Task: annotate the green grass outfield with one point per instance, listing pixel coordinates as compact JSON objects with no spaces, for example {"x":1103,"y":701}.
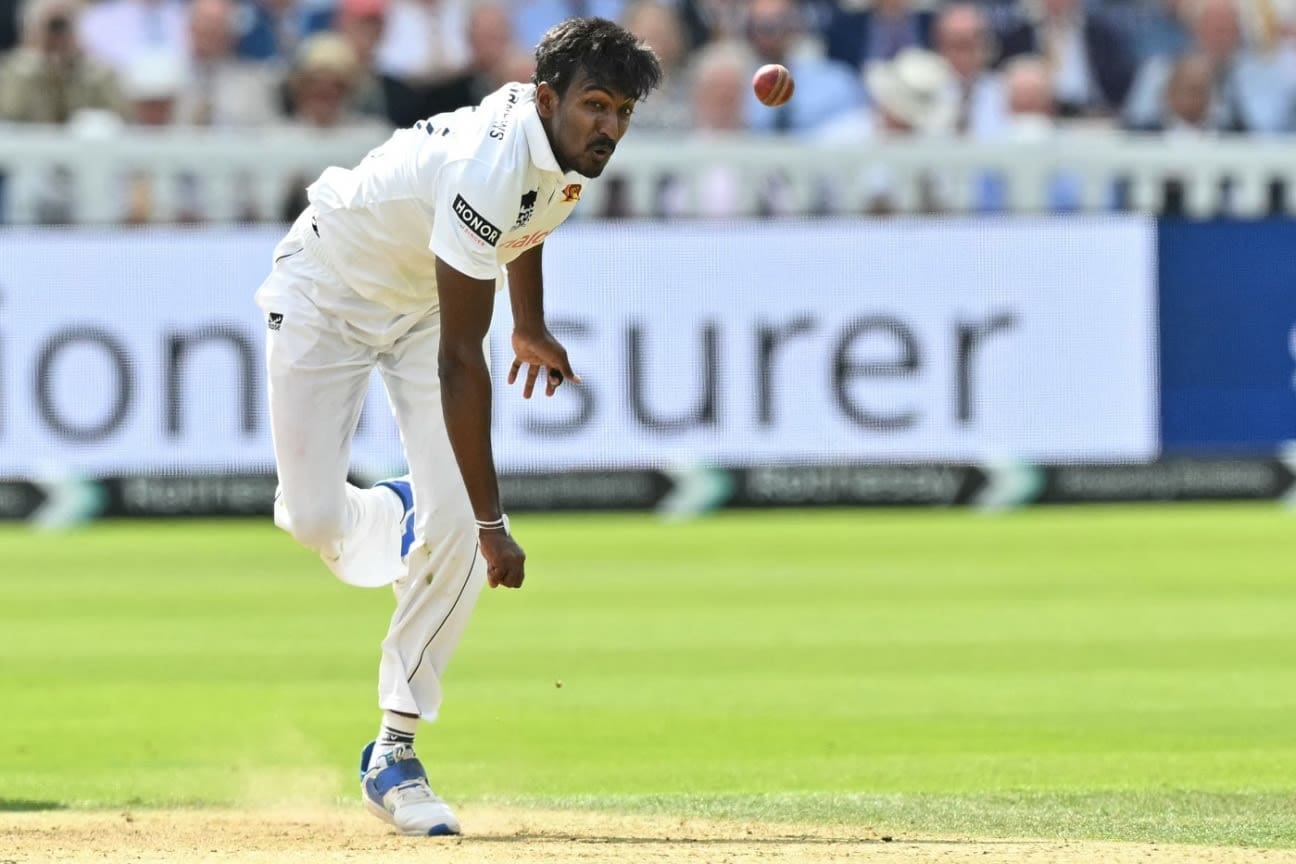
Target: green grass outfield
{"x":1123,"y":673}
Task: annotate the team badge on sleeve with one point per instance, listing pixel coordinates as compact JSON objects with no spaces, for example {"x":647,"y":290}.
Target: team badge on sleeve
{"x":571,"y":193}
{"x":479,"y":225}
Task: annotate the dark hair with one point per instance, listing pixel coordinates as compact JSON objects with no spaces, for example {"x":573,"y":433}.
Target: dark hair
{"x":608,"y":54}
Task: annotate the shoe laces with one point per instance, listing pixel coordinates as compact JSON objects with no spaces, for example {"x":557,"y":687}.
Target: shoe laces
{"x":414,"y":792}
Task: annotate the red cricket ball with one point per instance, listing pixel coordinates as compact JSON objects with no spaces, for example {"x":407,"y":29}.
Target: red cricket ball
{"x":773,"y":84}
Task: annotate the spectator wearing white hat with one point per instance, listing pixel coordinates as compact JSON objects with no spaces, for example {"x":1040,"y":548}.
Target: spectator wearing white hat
{"x":152,"y":84}
{"x":914,"y":95}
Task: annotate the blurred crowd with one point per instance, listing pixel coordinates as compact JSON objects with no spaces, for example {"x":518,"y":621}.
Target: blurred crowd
{"x":864,"y":69}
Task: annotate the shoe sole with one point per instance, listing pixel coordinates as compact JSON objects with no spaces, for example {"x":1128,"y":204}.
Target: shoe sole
{"x":442,"y":829}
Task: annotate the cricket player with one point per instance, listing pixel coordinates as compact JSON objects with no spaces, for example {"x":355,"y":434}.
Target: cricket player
{"x":395,"y":264}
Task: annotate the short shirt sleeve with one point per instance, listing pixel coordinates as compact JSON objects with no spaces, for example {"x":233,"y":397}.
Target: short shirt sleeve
{"x":472,"y":213}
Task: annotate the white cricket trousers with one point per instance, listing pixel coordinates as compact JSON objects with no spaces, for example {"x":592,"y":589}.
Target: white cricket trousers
{"x":322,"y":343}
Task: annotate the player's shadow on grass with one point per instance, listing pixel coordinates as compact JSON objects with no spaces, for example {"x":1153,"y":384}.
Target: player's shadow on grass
{"x":22,"y":805}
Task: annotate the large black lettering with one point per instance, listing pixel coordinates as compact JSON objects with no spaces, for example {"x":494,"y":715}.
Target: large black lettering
{"x":768,"y":339}
{"x":584,"y":394}
{"x":124,"y":384}
{"x":704,"y":414}
{"x":178,"y":348}
{"x":904,"y":362}
{"x":968,"y":336}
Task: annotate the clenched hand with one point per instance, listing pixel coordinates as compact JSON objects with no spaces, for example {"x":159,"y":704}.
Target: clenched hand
{"x":505,"y":560}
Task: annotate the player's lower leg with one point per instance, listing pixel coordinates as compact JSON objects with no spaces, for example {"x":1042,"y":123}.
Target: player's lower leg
{"x":395,"y":785}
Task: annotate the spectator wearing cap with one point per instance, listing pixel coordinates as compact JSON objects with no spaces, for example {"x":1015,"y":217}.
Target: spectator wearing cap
{"x":321,"y":88}
{"x":1251,"y":91}
{"x":48,"y":79}
{"x":1090,"y":61}
{"x":658,"y":25}
{"x":876,"y":32}
{"x":220,"y":89}
{"x":271,"y":30}
{"x":117,"y":31}
{"x":824,"y":88}
{"x":963,"y":39}
{"x":361,"y":24}
{"x":322,"y":83}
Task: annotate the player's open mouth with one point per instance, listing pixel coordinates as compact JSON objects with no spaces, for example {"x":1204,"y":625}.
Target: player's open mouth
{"x":601,"y":152}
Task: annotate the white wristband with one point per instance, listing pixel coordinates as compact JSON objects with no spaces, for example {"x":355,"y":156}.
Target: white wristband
{"x":491,"y":524}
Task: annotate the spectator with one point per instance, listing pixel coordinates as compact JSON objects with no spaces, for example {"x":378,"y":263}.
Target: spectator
{"x":719,"y":75}
{"x":1187,"y":99}
{"x":271,"y":30}
{"x":1090,"y":61}
{"x":425,"y":41}
{"x":222,"y":90}
{"x":48,"y":78}
{"x":1186,"y":115}
{"x":323,"y":77}
{"x":117,"y":31}
{"x":825,"y":88}
{"x":1250,"y":91}
{"x":876,"y":33}
{"x":659,"y":27}
{"x":1030,"y":94}
{"x":361,"y":23}
{"x":152,"y":85}
{"x":531,"y":18}
{"x":492,"y":57}
{"x":913,"y":95}
{"x":963,"y":39}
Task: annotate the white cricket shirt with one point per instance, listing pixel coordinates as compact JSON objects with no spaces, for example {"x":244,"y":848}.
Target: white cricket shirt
{"x":475,"y":187}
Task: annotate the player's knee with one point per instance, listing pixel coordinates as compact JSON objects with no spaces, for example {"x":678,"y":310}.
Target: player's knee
{"x":316,"y":527}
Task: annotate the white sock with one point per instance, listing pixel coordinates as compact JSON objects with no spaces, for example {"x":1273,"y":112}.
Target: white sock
{"x":396,"y":729}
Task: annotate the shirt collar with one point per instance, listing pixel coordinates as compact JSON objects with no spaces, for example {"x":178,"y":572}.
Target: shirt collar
{"x":537,"y":141}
